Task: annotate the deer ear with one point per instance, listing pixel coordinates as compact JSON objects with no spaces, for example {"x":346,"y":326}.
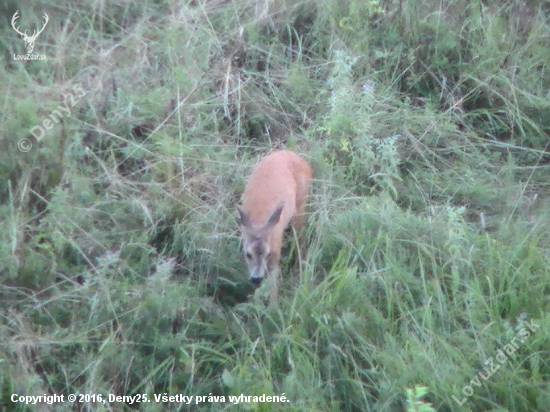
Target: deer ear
{"x":242,"y":218}
{"x":275,"y":216}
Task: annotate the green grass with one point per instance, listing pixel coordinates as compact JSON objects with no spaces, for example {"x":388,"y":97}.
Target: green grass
{"x":427,"y":125}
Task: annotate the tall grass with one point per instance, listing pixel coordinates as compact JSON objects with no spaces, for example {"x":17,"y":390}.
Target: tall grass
{"x":427,"y":245}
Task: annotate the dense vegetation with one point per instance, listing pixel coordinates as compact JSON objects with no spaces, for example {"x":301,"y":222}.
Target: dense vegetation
{"x":428,"y":244}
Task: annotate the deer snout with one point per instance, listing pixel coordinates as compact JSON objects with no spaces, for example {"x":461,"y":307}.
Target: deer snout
{"x":256,"y":281}
{"x":257,"y":274}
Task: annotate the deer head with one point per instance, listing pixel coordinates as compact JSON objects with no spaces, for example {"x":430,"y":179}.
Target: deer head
{"x":29,"y":40}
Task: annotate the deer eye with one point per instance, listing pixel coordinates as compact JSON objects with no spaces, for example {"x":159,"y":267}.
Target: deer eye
{"x":248,"y":255}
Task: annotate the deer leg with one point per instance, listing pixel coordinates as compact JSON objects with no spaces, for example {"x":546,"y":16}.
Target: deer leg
{"x":274,"y":287}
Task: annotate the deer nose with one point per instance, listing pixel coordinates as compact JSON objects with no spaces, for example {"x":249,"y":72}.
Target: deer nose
{"x":256,"y":281}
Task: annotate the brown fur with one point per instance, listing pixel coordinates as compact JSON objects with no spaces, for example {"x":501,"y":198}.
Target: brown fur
{"x":274,"y":197}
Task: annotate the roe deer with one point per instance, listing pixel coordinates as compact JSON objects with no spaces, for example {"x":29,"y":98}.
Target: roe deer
{"x":274,"y":197}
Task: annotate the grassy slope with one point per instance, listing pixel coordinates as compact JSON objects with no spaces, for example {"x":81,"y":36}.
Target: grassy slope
{"x":428,"y":128}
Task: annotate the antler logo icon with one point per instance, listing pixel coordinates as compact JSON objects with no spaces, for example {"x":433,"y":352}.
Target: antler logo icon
{"x":29,"y":40}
